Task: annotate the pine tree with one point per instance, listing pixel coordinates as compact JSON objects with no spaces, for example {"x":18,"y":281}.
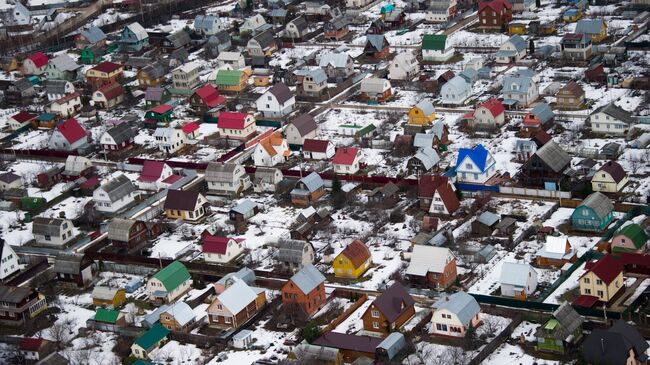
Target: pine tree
{"x":531,"y":47}
{"x":336,"y":184}
{"x":311,"y":332}
{"x":470,"y":337}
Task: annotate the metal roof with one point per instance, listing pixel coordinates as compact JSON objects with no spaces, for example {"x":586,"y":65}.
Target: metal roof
{"x":488,"y":218}
{"x":118,"y":229}
{"x":220,"y":172}
{"x":426,"y":259}
{"x":118,"y":188}
{"x":104,"y":293}
{"x":543,"y":112}
{"x":313,"y":181}
{"x":428,"y":156}
{"x":292,"y":251}
{"x":308,"y":278}
{"x":68,"y":263}
{"x":616,"y":112}
{"x":47,"y":226}
{"x":237,"y":296}
{"x":463,"y":305}
{"x":599,"y":203}
{"x":244,"y":207}
{"x":514,"y":273}
{"x":182,"y":313}
{"x":64,"y":62}
{"x":336,"y":59}
{"x":426,"y":106}
{"x":554,"y":156}
{"x":122,"y":133}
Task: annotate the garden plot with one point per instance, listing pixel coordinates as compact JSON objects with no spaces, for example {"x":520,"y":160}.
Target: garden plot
{"x":175,"y":353}
{"x":353,"y":323}
{"x":512,"y":354}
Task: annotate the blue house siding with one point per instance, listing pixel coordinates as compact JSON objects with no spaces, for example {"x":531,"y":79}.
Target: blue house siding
{"x":585,"y":219}
{"x":130,"y":43}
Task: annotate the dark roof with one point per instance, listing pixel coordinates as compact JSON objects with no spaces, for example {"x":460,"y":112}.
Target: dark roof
{"x":614,"y":170}
{"x":155,"y":71}
{"x":9,"y":177}
{"x":315,"y":145}
{"x":574,"y":88}
{"x":181,"y":200}
{"x":305,"y":123}
{"x":300,"y":23}
{"x":344,"y":341}
{"x":393,"y":302}
{"x":55,"y":86}
{"x":154,"y":93}
{"x":14,"y":294}
{"x":178,"y":39}
{"x":613,"y":346}
{"x":607,"y":268}
{"x":122,"y":133}
{"x":357,"y":252}
{"x":118,"y":188}
{"x":281,"y":92}
{"x":68,"y":263}
{"x":614,"y":111}
{"x":23,"y":84}
{"x":265,"y":39}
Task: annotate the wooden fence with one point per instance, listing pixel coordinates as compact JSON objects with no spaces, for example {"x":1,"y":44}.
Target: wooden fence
{"x":346,"y":313}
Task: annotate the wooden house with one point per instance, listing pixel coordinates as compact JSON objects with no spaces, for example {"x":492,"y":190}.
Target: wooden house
{"x":188,"y":206}
{"x":385,"y":196}
{"x":432,"y":266}
{"x":595,"y":213}
{"x":178,"y":317}
{"x":562,"y":332}
{"x":547,"y":164}
{"x":495,"y":14}
{"x":74,"y":269}
{"x":104,"y":73}
{"x":19,"y":305}
{"x":610,"y":178}
{"x":129,"y":234}
{"x":236,"y":305}
{"x":104,"y":296}
{"x":377,"y":46}
{"x":169,"y":283}
{"x":353,"y":261}
{"x":557,"y":252}
{"x":151,"y":341}
{"x":389,"y":311}
{"x":570,"y":96}
{"x":308,"y":190}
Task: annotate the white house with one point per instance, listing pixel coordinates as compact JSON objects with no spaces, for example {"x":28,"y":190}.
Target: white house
{"x":69,"y":136}
{"x":317,"y":149}
{"x":57,"y":89}
{"x":489,"y":114}
{"x":226,"y":178}
{"x":404,"y":66}
{"x":435,"y":48}
{"x":301,"y":128}
{"x":511,"y":50}
{"x":252,"y":24}
{"x":235,"y":60}
{"x":52,"y":231}
{"x":611,"y":120}
{"x":475,"y":165}
{"x":453,"y":314}
{"x":21,"y":120}
{"x":9,"y":261}
{"x":185,"y":78}
{"x":208,"y":25}
{"x":153,"y":174}
{"x":221,"y":250}
{"x":9,"y":180}
{"x":346,"y":160}
{"x":266,"y":179}
{"x":271,"y":150}
{"x":297,"y":28}
{"x":21,"y":15}
{"x":276,"y":102}
{"x":517,"y":280}
{"x":118,"y":137}
{"x":236,"y":125}
{"x":169,"y":140}
{"x":35,"y":64}
{"x":68,"y":106}
{"x":455,"y":91}
{"x":115,"y":194}
{"x":169,"y":283}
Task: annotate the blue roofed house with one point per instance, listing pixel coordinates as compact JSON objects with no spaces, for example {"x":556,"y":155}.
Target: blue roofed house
{"x":594,"y":28}
{"x":92,"y":36}
{"x":208,"y":25}
{"x":454,"y":314}
{"x":133,"y":38}
{"x":455,"y":91}
{"x":308,"y":189}
{"x":594,"y":213}
{"x":520,"y":87}
{"x":423,"y":161}
{"x":511,"y":50}
{"x":475,"y":165}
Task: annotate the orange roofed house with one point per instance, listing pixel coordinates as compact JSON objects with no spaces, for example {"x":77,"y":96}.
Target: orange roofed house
{"x":389,"y":312}
{"x":304,"y":293}
{"x":271,"y":150}
{"x":353,"y":261}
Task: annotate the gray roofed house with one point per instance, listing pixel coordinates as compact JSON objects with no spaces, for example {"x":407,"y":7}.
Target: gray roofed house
{"x":315,"y":354}
{"x":543,"y":112}
{"x":244,"y":207}
{"x":599,"y":203}
{"x":463,"y":305}
{"x":220,"y":172}
{"x":14,"y":294}
{"x":152,"y":318}
{"x":154,"y":94}
{"x":93,"y":35}
{"x":68,"y":263}
{"x":426,"y":106}
{"x":391,"y":345}
{"x":218,"y":43}
{"x":422,"y":140}
{"x":52,"y":231}
{"x":177,"y":40}
{"x":616,"y":112}
{"x":155,"y":71}
{"x":122,"y":133}
{"x":118,"y":188}
{"x":245,"y":274}
{"x":308,"y":278}
{"x":46,"y":226}
{"x":376,"y":41}
{"x":488,"y":218}
{"x":589,"y":26}
{"x":554,"y":156}
{"x":423,"y":161}
{"x":56,"y":87}
{"x":119,"y":229}
{"x":568,"y":327}
{"x":294,"y":254}
{"x":23,"y":85}
{"x":115,"y":194}
{"x":262,"y":42}
{"x":313,"y":182}
{"x":300,"y":23}
{"x":64,"y":62}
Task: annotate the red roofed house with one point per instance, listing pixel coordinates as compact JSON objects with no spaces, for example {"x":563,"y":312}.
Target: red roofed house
{"x":437,"y":195}
{"x":21,"y":120}
{"x":34,"y":349}
{"x":494,"y":14}
{"x":104,"y":73}
{"x":346,"y":160}
{"x":161,"y":115}
{"x":35,"y":64}
{"x":190,"y":129}
{"x":69,"y":136}
{"x":489,"y":115}
{"x":153,"y":174}
{"x":108,"y":96}
{"x":205,"y":99}
{"x":233,"y":125}
{"x":316,"y":149}
{"x":221,"y":250}
{"x":602,"y":282}
{"x":68,"y":106}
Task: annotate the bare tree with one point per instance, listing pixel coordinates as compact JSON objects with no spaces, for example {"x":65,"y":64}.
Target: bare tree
{"x":79,"y":357}
{"x":456,"y":356}
{"x":61,"y":332}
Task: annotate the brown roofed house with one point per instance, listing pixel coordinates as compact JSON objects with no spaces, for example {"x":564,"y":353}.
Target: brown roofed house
{"x":188,"y":206}
{"x":390,"y":311}
{"x":570,"y":97}
{"x":353,"y":261}
{"x":437,"y":195}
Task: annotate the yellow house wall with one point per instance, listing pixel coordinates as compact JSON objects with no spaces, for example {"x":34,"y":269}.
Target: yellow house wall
{"x":175,"y":214}
{"x":416,"y":116}
{"x":609,"y":291}
{"x":344,"y":265}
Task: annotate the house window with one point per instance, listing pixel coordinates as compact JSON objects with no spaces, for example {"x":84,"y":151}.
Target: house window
{"x":599,"y":282}
{"x":375,"y":325}
{"x":375,"y":314}
{"x":441,"y":327}
{"x":227,"y":319}
{"x":587,"y":291}
{"x":600,"y":293}
{"x":586,"y":280}
{"x":219,"y":307}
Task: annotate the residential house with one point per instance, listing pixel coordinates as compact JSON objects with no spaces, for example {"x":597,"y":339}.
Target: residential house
{"x":9,"y":261}
{"x":133,"y":38}
{"x":21,"y":16}
{"x":540,"y":117}
{"x":404,"y":66}
{"x":9,"y":181}
{"x":57,"y":89}
{"x":630,"y":238}
{"x":301,"y":128}
{"x":115,"y":195}
{"x":271,"y":150}
{"x":557,"y":252}
{"x":304,"y":293}
{"x":221,"y":250}
{"x":236,"y":305}
{"x":436,"y":49}
{"x":155,"y":96}
{"x":376,"y":89}
{"x":185,"y":78}
{"x":231,"y":80}
{"x":593,"y":214}
{"x":266,"y":179}
{"x":423,"y":162}
{"x":576,"y":47}
{"x":355,"y":349}
{"x":297,"y":28}
{"x":441,"y":11}
{"x":129,"y":234}
{"x":69,"y":136}
{"x":18,"y":305}
{"x":263,"y":44}
{"x":33,"y":349}
{"x":175,"y":41}
{"x":437,"y":195}
{"x":152,"y":75}
{"x":153,"y":174}
{"x":517,"y":280}
{"x":104,"y":73}
{"x":169,"y":140}
{"x":217,"y":44}
{"x":315,"y":149}
{"x":226,"y":178}
{"x":104,"y":296}
{"x":178,"y":317}
{"x":151,"y":341}
{"x":337,"y":65}
{"x":423,"y":113}
{"x":118,"y":138}
{"x":432,"y":266}
{"x":253,"y":25}
{"x":21,"y":121}
{"x":74,"y":269}
{"x":485,"y":224}
{"x":353,"y":261}
{"x":313,"y":85}
{"x":93,"y":36}
{"x":8,"y":63}
{"x":356,"y":4}
{"x":276,"y":102}
{"x":385,"y":196}
{"x":512,"y":50}
{"x":308,"y":190}
{"x":561,"y":332}
{"x":207,"y":99}
{"x":475,"y":165}
{"x":377,"y":46}
{"x":454,"y":314}
{"x":346,"y":160}
{"x":547,"y":165}
{"x":188,"y":206}
{"x":389,"y":311}
{"x":62,"y":67}
{"x":67,"y":106}
{"x":489,"y":115}
{"x":570,"y":96}
{"x":620,"y":344}
{"x":235,"y":60}
{"x":77,"y":166}
{"x":240,"y":126}
{"x":602,"y":282}
{"x":208,"y":25}
{"x":109,"y":96}
{"x":92,"y":55}
{"x":612,"y":120}
{"x":169,"y":283}
{"x":455,"y":91}
{"x":610,"y":178}
{"x":294,"y":255}
{"x":336,"y":28}
{"x":35,"y":64}
{"x":495,"y":14}
{"x":242,"y":212}
{"x":521,"y":88}
{"x":20,"y":92}
{"x":596,"y":29}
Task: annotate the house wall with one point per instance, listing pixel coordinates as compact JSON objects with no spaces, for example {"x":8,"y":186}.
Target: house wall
{"x":432,"y":55}
{"x":623,"y":243}
{"x":468,"y":172}
{"x":310,"y":303}
{"x":105,"y":205}
{"x":347,"y":169}
{"x":603,"y":182}
{"x":379,"y":324}
{"x":343,"y":267}
{"x":583,"y":218}
{"x":446,"y":323}
{"x":445,"y":279}
{"x":233,"y":250}
{"x":154,"y":284}
{"x":9,"y":262}
{"x":605,"y":124}
{"x":240,"y":134}
{"x":590,"y":284}
{"x":416,"y":116}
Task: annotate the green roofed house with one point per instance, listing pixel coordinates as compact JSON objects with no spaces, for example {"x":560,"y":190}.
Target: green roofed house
{"x":92,"y":55}
{"x":631,"y":238}
{"x":230,"y":80}
{"x":435,"y":48}
{"x":110,"y":316}
{"x":593,"y":214}
{"x":169,"y":283}
{"x":150,"y":342}
{"x":561,"y":331}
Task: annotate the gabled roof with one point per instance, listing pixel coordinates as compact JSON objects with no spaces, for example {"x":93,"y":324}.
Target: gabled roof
{"x":210,"y":96}
{"x":104,"y":292}
{"x":589,"y":26}
{"x":573,"y":88}
{"x":425,"y":259}
{"x":237,"y":296}
{"x":118,"y":188}
{"x":463,"y":305}
{"x":428,"y":157}
{"x":281,"y":92}
{"x":178,"y":39}
{"x":345,"y":156}
{"x":564,"y":323}
{"x":606,"y":268}
{"x":599,"y":203}
{"x":613,"y":346}
{"x":269,"y":143}
{"x":93,"y":34}
{"x":308,"y":279}
{"x":488,"y":218}
{"x":228,"y":77}
{"x":543,"y":112}
{"x":9,"y":177}
{"x":244,"y":207}
{"x":55,"y":86}
{"x":554,"y":156}
{"x":518,"y":42}
{"x":376,"y":41}
{"x":154,"y":71}
{"x":138,"y":30}
{"x":119,"y":229}
{"x":112,"y":90}
{"x":64,"y":62}
{"x":232,"y":120}
{"x":494,"y":106}
{"x":181,"y":199}
{"x":614,"y":169}
{"x":216,"y":244}
{"x":357,"y":252}
{"x":31,"y":343}
{"x":375,"y":85}
{"x":172,"y":275}
{"x":23,"y":116}
{"x":154,"y":93}
{"x":354,"y":343}
{"x":151,"y":338}
{"x":496,"y":5}
{"x":315,"y":145}
{"x":39,"y":59}
{"x":313,"y":181}
{"x":478,"y":154}
{"x":426,"y":106}
{"x":336,"y":59}
{"x":220,"y":172}
{"x":206,"y":22}
{"x":393,"y":302}
{"x":14,"y":294}
{"x":151,"y":170}
{"x":304,"y":123}
{"x":514,"y":273}
{"x":265,"y":39}
{"x":71,"y":130}
{"x":23,"y":84}
{"x":182,"y":313}
{"x":434,"y":42}
{"x":635,"y":233}
{"x":616,"y":112}
{"x":107,"y":67}
{"x":300,"y":23}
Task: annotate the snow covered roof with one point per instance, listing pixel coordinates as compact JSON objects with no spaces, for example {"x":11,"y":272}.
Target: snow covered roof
{"x":182,"y":313}
{"x":463,"y":305}
{"x":514,"y":273}
{"x":335,"y":59}
{"x":237,"y":296}
{"x":138,"y":30}
{"x":308,"y":278}
{"x":426,"y":259}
